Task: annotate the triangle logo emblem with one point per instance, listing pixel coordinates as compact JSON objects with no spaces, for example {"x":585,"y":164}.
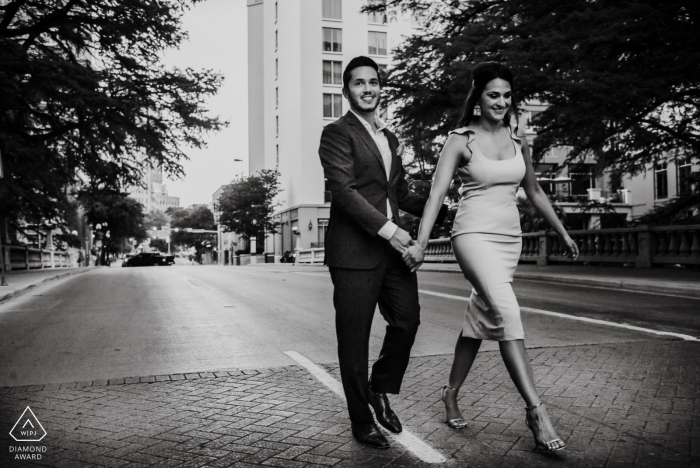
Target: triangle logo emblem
{"x":28,"y":428}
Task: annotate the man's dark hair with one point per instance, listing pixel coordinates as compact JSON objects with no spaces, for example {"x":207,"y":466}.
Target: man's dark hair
{"x":358,"y":62}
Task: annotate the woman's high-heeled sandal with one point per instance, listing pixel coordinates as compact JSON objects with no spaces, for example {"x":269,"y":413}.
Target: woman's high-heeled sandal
{"x":457,"y":423}
{"x":541,"y":445}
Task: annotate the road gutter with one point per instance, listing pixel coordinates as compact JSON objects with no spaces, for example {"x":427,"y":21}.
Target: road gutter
{"x":22,"y":291}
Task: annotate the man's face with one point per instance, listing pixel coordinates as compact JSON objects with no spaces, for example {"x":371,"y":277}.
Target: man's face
{"x":363,"y":90}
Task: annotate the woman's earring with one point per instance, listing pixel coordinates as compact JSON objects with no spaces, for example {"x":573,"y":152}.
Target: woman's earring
{"x":477,"y":110}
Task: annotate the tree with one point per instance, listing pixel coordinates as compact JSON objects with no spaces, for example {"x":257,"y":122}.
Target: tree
{"x":85,"y":102}
{"x":247,"y":204}
{"x":159,"y":244}
{"x":194,"y":217}
{"x":156,"y":219}
{"x":115,"y":218}
{"x":621,"y":77}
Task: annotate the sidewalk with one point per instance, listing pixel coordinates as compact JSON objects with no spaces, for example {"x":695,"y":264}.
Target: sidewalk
{"x":22,"y":281}
{"x":672,"y":281}
{"x":616,"y":405}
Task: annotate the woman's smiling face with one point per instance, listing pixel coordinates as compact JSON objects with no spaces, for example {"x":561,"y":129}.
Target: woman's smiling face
{"x":496,"y":99}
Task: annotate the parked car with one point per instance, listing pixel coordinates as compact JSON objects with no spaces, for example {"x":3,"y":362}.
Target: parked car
{"x":149,"y":259}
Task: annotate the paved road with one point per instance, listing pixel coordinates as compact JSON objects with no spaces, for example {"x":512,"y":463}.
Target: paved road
{"x":118,"y":322}
{"x":619,"y":397}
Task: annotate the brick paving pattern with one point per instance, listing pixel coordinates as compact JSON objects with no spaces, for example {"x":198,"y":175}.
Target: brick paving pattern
{"x":618,"y":405}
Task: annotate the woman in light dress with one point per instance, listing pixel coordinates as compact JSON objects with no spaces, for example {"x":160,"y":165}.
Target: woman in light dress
{"x":492,"y":160}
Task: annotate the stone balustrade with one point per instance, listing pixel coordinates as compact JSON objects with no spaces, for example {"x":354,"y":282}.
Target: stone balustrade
{"x":19,"y":257}
{"x":310,"y":255}
{"x":642,"y":246}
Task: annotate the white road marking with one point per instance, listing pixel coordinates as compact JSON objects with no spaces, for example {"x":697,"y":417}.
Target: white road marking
{"x":325,"y":275}
{"x":416,"y":446}
{"x":574,"y":317}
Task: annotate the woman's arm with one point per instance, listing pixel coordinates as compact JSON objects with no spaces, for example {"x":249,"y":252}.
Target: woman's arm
{"x":452,"y":153}
{"x":540,"y":201}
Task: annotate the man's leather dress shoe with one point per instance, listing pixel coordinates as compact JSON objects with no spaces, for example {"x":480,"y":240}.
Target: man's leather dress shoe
{"x":385,"y":415}
{"x":369,"y":435}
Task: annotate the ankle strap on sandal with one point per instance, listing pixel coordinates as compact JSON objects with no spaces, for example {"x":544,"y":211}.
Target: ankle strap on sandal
{"x":451,"y":388}
{"x":534,"y":406}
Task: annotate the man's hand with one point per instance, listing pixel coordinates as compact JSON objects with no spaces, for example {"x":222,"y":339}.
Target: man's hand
{"x":401,"y":240}
{"x":413,"y":257}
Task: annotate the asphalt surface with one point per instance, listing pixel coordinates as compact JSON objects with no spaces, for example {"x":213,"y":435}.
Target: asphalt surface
{"x":186,"y":366}
{"x":120,"y":322}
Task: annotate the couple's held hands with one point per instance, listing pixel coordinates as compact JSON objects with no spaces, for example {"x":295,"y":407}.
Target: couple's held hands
{"x":401,"y":240}
{"x":411,"y":252}
{"x":413,"y":257}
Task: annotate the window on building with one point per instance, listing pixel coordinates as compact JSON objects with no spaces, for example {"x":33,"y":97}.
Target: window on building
{"x":685,"y":168}
{"x":332,"y":105}
{"x":332,"y":40}
{"x":275,"y":11}
{"x":582,"y":178}
{"x":660,"y":180}
{"x":376,"y":43}
{"x":376,"y":18}
{"x":277,"y":42}
{"x":332,"y":72}
{"x":382,"y":72}
{"x":546,"y":171}
{"x":277,"y":125}
{"x":331,"y":9}
{"x":277,"y":97}
{"x":277,"y":147}
{"x":529,"y":127}
{"x":277,"y":68}
{"x":322,"y":229}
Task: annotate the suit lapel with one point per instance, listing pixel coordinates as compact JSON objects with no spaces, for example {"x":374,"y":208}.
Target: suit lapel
{"x":364,"y":135}
{"x":393,"y":144}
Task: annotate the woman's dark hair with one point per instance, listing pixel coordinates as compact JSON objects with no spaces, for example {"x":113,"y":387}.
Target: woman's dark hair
{"x":482,"y":74}
{"x":358,"y":62}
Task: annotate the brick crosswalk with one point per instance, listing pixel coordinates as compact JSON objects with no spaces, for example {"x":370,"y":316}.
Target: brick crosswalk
{"x":617,"y":405}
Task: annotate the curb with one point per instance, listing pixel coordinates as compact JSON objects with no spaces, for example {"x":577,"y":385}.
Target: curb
{"x":19,"y":292}
{"x":622,"y":285}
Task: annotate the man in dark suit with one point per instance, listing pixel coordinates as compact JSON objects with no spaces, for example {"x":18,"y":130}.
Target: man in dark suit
{"x":372,"y":260}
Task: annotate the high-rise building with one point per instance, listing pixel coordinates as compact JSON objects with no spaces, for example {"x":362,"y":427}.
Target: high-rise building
{"x":154,"y":194}
{"x":297,"y":50}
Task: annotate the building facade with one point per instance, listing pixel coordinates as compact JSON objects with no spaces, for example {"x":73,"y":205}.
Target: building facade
{"x":569,"y":183}
{"x":297,"y":50}
{"x":227,"y":243}
{"x":154,"y":194}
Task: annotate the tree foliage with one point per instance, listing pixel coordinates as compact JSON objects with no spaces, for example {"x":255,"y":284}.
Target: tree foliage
{"x":85,"y":102}
{"x":193,"y":217}
{"x":156,"y":219}
{"x":621,"y":77}
{"x":115,"y":219}
{"x":161,"y":245}
{"x":247,"y":204}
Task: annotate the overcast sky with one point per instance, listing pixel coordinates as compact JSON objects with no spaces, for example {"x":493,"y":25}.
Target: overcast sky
{"x":218,"y":31}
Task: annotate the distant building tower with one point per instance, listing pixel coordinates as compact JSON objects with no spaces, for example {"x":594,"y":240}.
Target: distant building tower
{"x":296,"y":54}
{"x":154,"y":195}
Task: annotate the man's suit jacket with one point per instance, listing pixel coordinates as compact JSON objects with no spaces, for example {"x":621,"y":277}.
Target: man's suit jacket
{"x":357,"y":180}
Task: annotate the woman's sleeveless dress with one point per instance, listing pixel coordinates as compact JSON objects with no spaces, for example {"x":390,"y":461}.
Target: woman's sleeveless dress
{"x":487,"y":240}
